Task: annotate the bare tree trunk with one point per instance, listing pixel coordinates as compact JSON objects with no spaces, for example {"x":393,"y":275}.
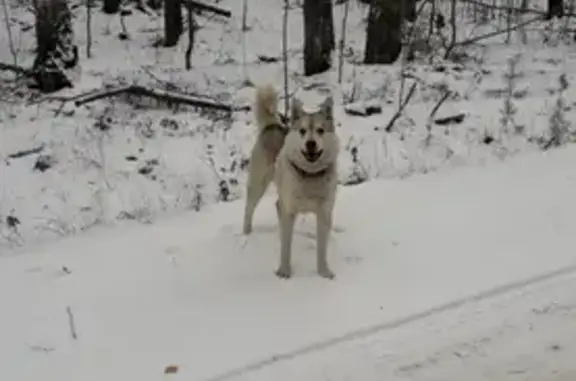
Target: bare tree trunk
{"x":191,"y":34}
{"x":243,"y":30}
{"x":410,"y":10}
{"x":343,"y":40}
{"x":329,"y":23}
{"x":520,"y":19}
{"x":510,"y":5}
{"x":555,"y":8}
{"x":383,"y":33}
{"x":9,"y":32}
{"x":173,"y":27}
{"x":111,"y":6}
{"x":285,"y":55}
{"x":453,"y":24}
{"x":431,"y":21}
{"x":88,"y":28}
{"x":154,"y":4}
{"x":56,"y":52}
{"x":318,"y":36}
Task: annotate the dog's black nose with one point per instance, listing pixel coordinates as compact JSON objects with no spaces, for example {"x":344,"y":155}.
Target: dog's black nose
{"x":311,"y":146}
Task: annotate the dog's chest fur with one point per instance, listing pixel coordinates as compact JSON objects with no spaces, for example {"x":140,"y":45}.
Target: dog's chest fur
{"x":304,"y":194}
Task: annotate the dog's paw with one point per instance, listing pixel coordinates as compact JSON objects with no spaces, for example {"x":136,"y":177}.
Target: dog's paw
{"x":325,"y":272}
{"x":284,"y":272}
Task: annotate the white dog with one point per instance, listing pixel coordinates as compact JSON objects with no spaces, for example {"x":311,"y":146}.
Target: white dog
{"x":301,"y":159}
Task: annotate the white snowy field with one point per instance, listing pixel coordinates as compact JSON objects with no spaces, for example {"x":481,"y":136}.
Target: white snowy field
{"x":133,"y":159}
{"x":467,"y":274}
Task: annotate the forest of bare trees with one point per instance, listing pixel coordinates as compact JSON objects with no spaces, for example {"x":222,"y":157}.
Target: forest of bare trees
{"x":56,"y":50}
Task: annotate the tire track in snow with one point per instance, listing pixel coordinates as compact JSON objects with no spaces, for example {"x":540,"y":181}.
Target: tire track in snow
{"x":373,"y":329}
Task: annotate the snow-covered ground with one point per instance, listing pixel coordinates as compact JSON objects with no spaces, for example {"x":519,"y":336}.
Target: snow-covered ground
{"x":152,"y":159}
{"x":468,"y":273}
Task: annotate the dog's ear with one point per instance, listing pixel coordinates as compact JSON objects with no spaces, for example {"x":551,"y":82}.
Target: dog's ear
{"x":296,"y":109}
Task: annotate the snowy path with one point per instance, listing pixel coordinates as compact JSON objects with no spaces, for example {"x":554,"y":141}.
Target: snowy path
{"x":191,"y":291}
{"x":523,"y":335}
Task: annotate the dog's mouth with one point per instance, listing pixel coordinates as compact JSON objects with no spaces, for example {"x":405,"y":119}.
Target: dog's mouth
{"x":312,"y":156}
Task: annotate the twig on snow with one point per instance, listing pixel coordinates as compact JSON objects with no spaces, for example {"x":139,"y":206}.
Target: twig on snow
{"x":26,"y":152}
{"x":432,"y":115}
{"x":438,"y":104}
{"x":71,"y":323}
{"x":400,"y":110}
{"x":15,"y":69}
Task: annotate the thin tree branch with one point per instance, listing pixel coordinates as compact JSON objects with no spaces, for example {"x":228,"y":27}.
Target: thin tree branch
{"x":496,"y":33}
{"x":400,"y":110}
{"x":206,"y":7}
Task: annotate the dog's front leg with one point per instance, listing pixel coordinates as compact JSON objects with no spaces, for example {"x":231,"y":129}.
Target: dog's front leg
{"x":323,"y":227}
{"x":286,"y":221}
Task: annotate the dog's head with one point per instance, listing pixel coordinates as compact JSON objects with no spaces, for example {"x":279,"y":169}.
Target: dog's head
{"x":312,"y":131}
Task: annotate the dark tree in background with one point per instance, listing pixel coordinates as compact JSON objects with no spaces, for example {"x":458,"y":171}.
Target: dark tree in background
{"x":409,"y":10}
{"x":111,"y":6}
{"x":318,"y":36}
{"x":173,"y":27}
{"x":329,"y":29}
{"x":56,"y":52}
{"x":154,"y":4}
{"x":555,"y":8}
{"x":383,"y":32}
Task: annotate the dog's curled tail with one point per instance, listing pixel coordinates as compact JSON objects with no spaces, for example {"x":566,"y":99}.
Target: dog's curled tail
{"x":266,"y":106}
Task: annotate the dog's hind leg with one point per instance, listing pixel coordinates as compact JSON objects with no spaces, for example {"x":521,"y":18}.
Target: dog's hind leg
{"x":323,"y":227}
{"x":259,"y":179}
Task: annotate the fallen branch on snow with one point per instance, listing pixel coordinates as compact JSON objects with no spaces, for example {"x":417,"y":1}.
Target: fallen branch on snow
{"x":162,"y":95}
{"x":97,"y":94}
{"x":206,"y":7}
{"x":15,"y":69}
{"x":361,"y":109}
{"x":452,"y":119}
{"x":71,"y":323}
{"x":26,"y":152}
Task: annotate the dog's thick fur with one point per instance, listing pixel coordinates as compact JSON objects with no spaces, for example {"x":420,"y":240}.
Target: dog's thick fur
{"x":301,"y":159}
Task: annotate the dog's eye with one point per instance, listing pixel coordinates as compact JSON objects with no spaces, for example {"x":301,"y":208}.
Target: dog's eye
{"x":320,"y":131}
{"x":302,"y":131}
